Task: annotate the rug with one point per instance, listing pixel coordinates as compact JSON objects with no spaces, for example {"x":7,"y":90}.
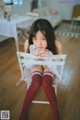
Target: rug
{"x":68,"y":30}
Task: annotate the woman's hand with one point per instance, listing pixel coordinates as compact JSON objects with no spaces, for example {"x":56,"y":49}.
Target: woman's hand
{"x":36,"y":52}
{"x":42,"y":53}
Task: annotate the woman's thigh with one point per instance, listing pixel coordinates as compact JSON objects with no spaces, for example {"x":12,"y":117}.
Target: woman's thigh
{"x":46,"y":69}
{"x":36,"y":68}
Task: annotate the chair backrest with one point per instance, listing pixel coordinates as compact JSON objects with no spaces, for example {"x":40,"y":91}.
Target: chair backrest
{"x":55,"y":60}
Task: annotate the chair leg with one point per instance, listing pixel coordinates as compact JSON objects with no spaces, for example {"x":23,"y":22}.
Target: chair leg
{"x":19,"y":81}
{"x":55,"y":88}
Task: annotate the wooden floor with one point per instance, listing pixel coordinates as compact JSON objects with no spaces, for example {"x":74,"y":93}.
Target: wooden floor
{"x":68,"y":97}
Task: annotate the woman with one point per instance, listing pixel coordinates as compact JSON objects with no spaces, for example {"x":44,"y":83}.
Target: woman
{"x":42,"y":43}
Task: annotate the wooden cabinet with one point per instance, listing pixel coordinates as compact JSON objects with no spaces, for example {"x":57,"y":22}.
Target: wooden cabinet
{"x":76,"y":11}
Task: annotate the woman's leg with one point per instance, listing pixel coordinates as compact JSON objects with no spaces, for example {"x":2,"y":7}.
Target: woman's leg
{"x":50,"y":92}
{"x":32,"y":91}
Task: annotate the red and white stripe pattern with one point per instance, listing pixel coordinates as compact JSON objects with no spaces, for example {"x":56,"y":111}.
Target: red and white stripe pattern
{"x":36,"y":72}
{"x":48,"y":73}
{"x":42,"y":74}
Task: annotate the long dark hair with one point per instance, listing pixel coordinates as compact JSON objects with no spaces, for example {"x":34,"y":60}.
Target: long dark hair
{"x":45,"y":27}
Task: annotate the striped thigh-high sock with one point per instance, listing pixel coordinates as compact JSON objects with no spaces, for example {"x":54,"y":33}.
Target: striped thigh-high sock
{"x":31,"y":93}
{"x":47,"y":80}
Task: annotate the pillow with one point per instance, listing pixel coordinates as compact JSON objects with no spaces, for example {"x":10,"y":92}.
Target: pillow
{"x":53,"y":11}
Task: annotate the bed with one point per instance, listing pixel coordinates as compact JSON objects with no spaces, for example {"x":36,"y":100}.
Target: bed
{"x":50,"y":14}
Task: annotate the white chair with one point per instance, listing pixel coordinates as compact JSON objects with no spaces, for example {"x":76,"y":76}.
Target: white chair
{"x":56,"y":60}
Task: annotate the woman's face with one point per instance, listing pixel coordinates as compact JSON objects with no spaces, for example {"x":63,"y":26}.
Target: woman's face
{"x":39,"y":41}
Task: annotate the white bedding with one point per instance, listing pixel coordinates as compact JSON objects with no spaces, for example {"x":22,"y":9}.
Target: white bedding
{"x":54,"y":19}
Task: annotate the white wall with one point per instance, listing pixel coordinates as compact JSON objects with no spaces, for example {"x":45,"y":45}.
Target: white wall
{"x":1,"y":11}
{"x":21,"y":9}
{"x":65,"y":8}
